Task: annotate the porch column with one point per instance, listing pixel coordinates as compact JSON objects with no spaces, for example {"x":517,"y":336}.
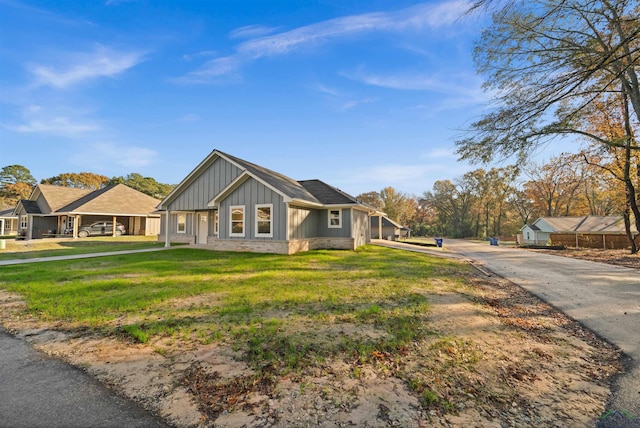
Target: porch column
{"x":76,"y":222}
{"x":113,"y":226}
{"x":167,"y":243}
{"x":380,"y":227}
{"x":29,"y":227}
{"x":1,"y":227}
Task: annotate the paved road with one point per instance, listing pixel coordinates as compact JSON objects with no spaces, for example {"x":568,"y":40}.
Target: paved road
{"x":38,"y":391}
{"x":604,"y":298}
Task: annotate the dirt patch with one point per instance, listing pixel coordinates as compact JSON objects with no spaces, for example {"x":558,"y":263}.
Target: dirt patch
{"x":495,"y":356}
{"x":612,"y":257}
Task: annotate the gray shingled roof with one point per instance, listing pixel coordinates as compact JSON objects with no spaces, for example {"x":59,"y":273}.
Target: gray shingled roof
{"x":284,"y":184}
{"x":31,"y":207}
{"x":8,"y":213}
{"x":327,"y":194}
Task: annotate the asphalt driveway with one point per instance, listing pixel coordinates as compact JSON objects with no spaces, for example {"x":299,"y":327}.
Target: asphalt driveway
{"x":38,"y":391}
{"x":603,"y":297}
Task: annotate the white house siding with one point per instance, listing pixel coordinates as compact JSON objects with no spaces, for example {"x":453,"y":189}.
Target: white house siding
{"x":205,"y":186}
{"x":360,"y":233}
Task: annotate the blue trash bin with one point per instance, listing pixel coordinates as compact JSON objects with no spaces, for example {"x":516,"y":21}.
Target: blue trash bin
{"x":439,"y":242}
{"x":493,"y":241}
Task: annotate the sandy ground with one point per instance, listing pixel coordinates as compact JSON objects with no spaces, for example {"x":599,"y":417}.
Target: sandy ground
{"x":500,"y":357}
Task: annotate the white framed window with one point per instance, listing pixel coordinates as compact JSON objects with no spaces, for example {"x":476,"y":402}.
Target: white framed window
{"x":216,"y":225}
{"x":182,"y":223}
{"x":23,"y":222}
{"x":264,"y":220}
{"x":335,"y":219}
{"x":236,"y":221}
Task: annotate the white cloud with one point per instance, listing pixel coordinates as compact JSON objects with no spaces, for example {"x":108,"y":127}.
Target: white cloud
{"x":415,"y":18}
{"x":252,"y":31}
{"x":102,"y":156}
{"x":35,"y":119}
{"x":102,"y":62}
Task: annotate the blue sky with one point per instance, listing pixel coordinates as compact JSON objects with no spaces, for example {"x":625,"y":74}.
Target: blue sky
{"x":360,"y":94}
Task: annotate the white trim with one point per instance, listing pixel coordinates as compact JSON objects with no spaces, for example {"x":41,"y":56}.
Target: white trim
{"x":244,"y":220}
{"x":184,"y":231}
{"x":167,"y":241}
{"x":329,"y":218}
{"x":264,"y":235}
{"x":24,"y":221}
{"x":216,"y":222}
{"x":236,"y":182}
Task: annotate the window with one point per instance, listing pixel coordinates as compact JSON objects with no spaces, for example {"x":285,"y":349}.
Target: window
{"x":237,"y":220}
{"x":215,"y":222}
{"x":263,"y":220}
{"x":335,"y":219}
{"x":23,"y":222}
{"x":182,"y":223}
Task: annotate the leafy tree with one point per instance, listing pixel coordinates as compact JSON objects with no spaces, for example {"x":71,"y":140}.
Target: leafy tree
{"x":372,"y":199}
{"x":82,"y":180}
{"x":16,"y":182}
{"x":549,"y":62}
{"x":146,"y":185}
{"x":453,"y":204}
{"x":554,"y":186}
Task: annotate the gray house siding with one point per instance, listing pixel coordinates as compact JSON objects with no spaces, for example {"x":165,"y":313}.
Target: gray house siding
{"x":303,"y":222}
{"x":325,"y":231}
{"x":187,"y":236}
{"x":249,"y":194}
{"x":43,"y":225}
{"x":208,"y":184}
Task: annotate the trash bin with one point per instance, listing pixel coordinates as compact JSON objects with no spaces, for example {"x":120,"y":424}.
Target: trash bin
{"x":3,"y":244}
{"x":439,"y":242}
{"x":493,"y":241}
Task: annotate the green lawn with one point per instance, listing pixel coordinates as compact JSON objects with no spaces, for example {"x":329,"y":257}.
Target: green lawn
{"x":280,"y":312}
{"x":61,"y":247}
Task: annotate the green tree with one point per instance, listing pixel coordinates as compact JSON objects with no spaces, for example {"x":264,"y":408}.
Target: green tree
{"x":82,"y":180}
{"x":372,"y":199}
{"x":146,"y":185}
{"x":16,"y":182}
{"x":548,"y":62}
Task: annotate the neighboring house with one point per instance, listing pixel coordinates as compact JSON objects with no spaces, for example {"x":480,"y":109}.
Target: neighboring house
{"x":387,"y":229}
{"x":8,"y":222}
{"x":583,"y":231}
{"x":229,"y":204}
{"x":50,"y":210}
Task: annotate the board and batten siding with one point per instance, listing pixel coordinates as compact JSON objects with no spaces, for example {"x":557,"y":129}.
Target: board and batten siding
{"x":208,"y":184}
{"x":360,"y":233}
{"x":303,"y":222}
{"x":249,"y":194}
{"x":173,"y":224}
{"x":324,"y":231}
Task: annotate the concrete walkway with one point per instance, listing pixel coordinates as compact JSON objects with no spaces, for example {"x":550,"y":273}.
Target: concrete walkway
{"x":77,"y":256}
{"x":603,"y":297}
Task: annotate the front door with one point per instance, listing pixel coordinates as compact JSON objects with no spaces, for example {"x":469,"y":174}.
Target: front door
{"x":203,"y":230}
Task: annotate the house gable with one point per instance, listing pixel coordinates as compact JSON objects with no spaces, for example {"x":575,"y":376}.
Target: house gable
{"x":249,"y":194}
{"x":202,"y":185}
